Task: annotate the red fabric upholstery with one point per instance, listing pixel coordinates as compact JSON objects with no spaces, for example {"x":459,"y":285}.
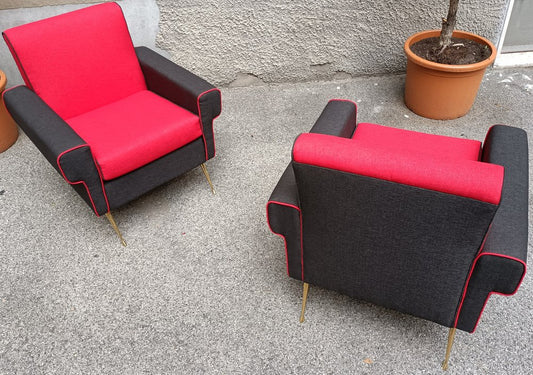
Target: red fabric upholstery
{"x":399,"y":140}
{"x":91,"y":65}
{"x":463,"y":177}
{"x":134,"y":131}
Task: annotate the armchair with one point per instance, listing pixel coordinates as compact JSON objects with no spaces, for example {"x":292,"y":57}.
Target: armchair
{"x":115,"y":121}
{"x":423,"y":224}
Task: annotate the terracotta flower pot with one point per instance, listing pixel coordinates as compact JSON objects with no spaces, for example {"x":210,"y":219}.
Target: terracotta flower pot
{"x":441,"y":91}
{"x":8,"y":128}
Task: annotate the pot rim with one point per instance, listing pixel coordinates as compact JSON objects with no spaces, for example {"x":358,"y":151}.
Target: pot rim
{"x":3,"y":80}
{"x":446,"y":67}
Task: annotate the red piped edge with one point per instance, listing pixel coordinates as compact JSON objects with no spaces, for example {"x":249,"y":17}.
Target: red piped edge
{"x":83,"y":182}
{"x":202,"y":124}
{"x":491,"y":293}
{"x":284,"y":239}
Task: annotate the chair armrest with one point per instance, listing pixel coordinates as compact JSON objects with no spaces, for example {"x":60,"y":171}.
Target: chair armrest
{"x":501,"y":265}
{"x":284,"y":219}
{"x":283,"y":208}
{"x":50,"y":133}
{"x":64,"y":149}
{"x":183,"y":88}
{"x":338,"y":118}
{"x":507,"y":146}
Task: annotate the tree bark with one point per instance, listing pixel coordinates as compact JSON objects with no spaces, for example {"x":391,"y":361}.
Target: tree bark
{"x":448,"y":25}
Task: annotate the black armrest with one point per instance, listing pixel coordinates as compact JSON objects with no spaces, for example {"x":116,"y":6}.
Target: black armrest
{"x":284,"y":219}
{"x":64,"y":149}
{"x":183,"y":88}
{"x":338,"y":118}
{"x":501,"y":265}
{"x":50,"y":133}
{"x":507,"y":146}
{"x":283,"y":208}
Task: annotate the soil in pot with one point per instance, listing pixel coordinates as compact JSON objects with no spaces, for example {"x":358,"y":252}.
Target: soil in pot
{"x":460,"y":52}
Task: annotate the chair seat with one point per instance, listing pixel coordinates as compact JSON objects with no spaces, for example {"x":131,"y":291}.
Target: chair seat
{"x":409,"y":142}
{"x":134,"y":131}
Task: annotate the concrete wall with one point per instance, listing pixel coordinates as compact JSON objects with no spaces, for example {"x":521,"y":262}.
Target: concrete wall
{"x":243,"y":42}
{"x":142,"y":17}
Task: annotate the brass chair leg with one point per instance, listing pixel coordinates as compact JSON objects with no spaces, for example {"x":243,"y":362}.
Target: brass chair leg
{"x":114,"y":225}
{"x":451,"y":337}
{"x":304,"y":302}
{"x":204,"y":169}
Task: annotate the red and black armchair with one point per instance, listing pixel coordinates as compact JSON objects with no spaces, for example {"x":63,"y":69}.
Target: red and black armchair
{"x":114,"y":120}
{"x":423,"y":224}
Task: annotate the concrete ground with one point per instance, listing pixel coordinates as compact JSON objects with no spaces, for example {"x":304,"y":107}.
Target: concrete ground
{"x":202,"y":286}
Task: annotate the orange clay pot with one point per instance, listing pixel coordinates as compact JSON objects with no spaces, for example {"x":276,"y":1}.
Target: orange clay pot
{"x":441,"y":91}
{"x":8,"y":129}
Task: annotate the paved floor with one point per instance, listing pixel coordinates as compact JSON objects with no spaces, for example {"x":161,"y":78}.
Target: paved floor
{"x":202,"y":287}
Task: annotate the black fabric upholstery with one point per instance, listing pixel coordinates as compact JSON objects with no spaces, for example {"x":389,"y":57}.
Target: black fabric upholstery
{"x":183,"y":88}
{"x":491,"y":273}
{"x":80,"y":170}
{"x":398,"y":246}
{"x":508,"y":146}
{"x":500,"y":268}
{"x":54,"y":137}
{"x":338,"y":118}
{"x":285,"y":219}
{"x":124,"y":189}
{"x":50,"y":133}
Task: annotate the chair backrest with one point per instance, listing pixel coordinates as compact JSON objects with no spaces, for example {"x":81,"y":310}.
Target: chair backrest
{"x":406,"y":247}
{"x":77,"y":61}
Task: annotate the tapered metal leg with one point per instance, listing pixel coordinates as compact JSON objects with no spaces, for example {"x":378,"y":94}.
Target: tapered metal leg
{"x":451,"y":337}
{"x":304,"y":302}
{"x":204,"y":168}
{"x":114,"y":225}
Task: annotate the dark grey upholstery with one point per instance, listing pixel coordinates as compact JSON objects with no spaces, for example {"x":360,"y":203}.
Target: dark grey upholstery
{"x":338,"y":118}
{"x":433,"y":255}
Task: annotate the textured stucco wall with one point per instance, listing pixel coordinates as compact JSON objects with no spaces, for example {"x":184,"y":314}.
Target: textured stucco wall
{"x":241,"y":42}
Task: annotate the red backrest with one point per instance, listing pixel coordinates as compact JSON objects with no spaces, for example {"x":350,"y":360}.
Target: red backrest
{"x":463,"y":177}
{"x":78,"y":61}
{"x":402,"y":141}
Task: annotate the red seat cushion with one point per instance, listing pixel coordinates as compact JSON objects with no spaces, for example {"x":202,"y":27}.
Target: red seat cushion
{"x":462,"y":177}
{"x":134,"y":131}
{"x":78,"y":61}
{"x":407,"y":141}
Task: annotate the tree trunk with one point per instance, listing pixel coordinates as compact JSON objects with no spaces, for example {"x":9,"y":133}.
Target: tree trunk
{"x":448,"y":24}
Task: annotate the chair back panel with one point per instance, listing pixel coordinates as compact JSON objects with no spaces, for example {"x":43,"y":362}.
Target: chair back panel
{"x":78,"y":61}
{"x":399,"y":246}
